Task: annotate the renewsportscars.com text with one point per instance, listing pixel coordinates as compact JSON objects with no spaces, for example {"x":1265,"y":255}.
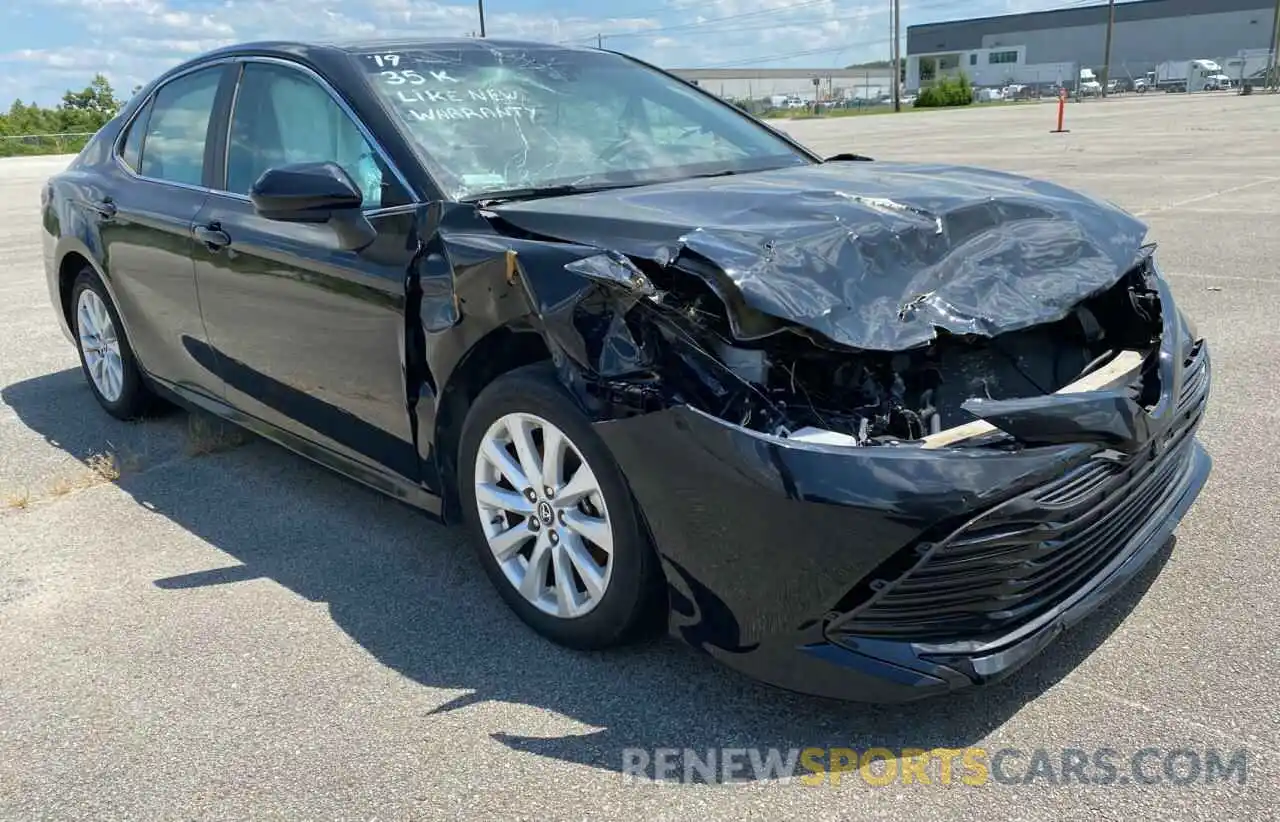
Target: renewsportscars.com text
{"x":880,"y":767}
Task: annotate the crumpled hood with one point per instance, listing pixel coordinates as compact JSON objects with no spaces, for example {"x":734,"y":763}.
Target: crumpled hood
{"x":872,"y":255}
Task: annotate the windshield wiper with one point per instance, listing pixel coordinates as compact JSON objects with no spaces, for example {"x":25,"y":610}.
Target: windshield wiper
{"x":490,"y":198}
{"x":728,"y":173}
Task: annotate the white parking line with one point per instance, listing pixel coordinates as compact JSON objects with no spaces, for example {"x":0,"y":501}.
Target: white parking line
{"x":1209,"y":196}
{"x":1263,"y":280}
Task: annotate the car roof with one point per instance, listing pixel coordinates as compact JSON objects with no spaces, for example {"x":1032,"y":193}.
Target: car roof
{"x":327,"y":52}
{"x":452,"y":42}
{"x":312,"y":48}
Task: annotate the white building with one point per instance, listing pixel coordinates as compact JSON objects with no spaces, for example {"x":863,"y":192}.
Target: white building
{"x":1051,"y":46}
{"x":763,"y":83}
{"x":997,"y":66}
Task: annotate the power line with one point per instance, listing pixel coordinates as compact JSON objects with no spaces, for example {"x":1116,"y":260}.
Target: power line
{"x":758,"y":24}
{"x":764,"y":58}
{"x":672,"y":6}
{"x":713,"y":20}
{"x":791,"y":54}
{"x":1045,"y":6}
{"x":665,"y":7}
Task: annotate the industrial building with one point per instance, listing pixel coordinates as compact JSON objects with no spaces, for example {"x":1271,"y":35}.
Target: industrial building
{"x":763,"y":83}
{"x":1050,"y":47}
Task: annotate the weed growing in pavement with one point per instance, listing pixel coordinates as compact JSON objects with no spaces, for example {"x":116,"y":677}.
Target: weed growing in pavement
{"x":210,"y":435}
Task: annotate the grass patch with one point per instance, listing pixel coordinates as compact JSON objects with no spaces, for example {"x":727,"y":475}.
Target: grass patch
{"x":105,"y":466}
{"x":209,"y":435}
{"x":867,"y":111}
{"x":205,"y":435}
{"x":98,"y":469}
{"x":807,"y":114}
{"x":42,"y":145}
{"x":18,"y":501}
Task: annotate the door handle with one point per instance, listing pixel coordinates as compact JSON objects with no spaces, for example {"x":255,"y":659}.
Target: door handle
{"x":213,"y":237}
{"x":105,"y":208}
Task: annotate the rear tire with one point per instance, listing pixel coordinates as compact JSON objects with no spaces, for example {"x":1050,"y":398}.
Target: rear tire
{"x":574,"y":564}
{"x":106,"y":358}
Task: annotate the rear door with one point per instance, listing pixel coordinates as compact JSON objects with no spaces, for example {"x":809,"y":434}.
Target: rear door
{"x":308,"y":337}
{"x":156,"y":185}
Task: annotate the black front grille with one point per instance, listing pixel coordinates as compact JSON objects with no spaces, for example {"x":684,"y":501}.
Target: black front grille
{"x":1026,"y":556}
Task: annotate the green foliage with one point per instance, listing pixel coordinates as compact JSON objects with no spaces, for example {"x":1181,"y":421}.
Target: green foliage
{"x":80,"y":113}
{"x":949,"y":91}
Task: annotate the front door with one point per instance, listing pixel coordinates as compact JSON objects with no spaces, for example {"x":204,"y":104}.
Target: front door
{"x":308,"y":337}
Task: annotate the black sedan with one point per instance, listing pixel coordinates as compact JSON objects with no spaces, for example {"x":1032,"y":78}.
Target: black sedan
{"x":871,"y":430}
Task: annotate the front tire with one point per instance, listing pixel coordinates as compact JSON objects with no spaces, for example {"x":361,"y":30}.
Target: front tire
{"x":106,"y":358}
{"x":552,"y":518}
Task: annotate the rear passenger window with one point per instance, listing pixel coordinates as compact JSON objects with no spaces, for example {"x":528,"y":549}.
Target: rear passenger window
{"x":131,"y":152}
{"x":173,"y":148}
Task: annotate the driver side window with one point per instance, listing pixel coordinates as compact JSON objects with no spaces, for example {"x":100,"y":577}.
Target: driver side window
{"x":281,"y":116}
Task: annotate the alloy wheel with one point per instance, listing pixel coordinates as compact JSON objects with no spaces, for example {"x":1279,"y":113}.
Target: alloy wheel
{"x":100,"y":344}
{"x":544,"y":515}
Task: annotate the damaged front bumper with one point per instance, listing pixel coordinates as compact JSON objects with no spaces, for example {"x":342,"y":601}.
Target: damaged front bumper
{"x":892,"y":573}
{"x":832,"y":515}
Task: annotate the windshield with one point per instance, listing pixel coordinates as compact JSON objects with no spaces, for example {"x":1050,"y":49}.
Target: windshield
{"x":489,"y":120}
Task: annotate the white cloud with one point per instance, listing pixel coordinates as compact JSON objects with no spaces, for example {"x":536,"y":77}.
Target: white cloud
{"x":186,"y":48}
{"x":133,"y":40}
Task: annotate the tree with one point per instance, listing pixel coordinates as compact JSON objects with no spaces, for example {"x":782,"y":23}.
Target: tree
{"x":89,"y":109}
{"x":26,"y":119}
{"x":79,"y":113}
{"x":97,"y":97}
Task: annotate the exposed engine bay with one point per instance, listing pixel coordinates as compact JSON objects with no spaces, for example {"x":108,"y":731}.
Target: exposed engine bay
{"x":875,"y":302}
{"x":792,"y":380}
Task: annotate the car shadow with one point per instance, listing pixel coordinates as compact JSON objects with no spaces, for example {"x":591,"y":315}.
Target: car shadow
{"x":410,"y":592}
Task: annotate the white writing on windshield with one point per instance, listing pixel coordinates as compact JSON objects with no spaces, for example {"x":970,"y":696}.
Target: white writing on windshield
{"x":482,"y":95}
{"x":465,"y":113}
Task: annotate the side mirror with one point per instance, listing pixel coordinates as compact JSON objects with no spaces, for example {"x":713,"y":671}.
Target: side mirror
{"x":314,"y":193}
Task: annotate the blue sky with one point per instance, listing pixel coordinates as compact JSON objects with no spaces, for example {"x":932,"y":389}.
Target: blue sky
{"x":48,"y":46}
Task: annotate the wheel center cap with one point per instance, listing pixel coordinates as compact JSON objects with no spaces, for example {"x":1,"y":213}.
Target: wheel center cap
{"x":545,"y":513}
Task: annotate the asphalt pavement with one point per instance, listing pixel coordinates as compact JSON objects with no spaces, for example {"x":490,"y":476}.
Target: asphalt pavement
{"x":199,"y":628}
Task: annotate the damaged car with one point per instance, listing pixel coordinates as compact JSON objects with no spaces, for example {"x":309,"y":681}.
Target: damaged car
{"x":863,"y":429}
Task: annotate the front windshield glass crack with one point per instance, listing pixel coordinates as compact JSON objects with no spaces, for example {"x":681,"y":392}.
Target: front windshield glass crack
{"x":489,"y":118}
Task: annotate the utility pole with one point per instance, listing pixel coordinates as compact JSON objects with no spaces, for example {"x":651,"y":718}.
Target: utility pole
{"x":480,"y":4}
{"x":599,"y":41}
{"x":896,"y":69}
{"x":1106,"y":57}
{"x":1273,"y":59}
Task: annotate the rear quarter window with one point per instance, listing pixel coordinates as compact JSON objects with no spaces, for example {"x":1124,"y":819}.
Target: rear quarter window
{"x":131,"y":149}
{"x":97,"y":150}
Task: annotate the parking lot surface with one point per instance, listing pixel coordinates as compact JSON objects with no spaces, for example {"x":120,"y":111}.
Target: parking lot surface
{"x":224,"y":630}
